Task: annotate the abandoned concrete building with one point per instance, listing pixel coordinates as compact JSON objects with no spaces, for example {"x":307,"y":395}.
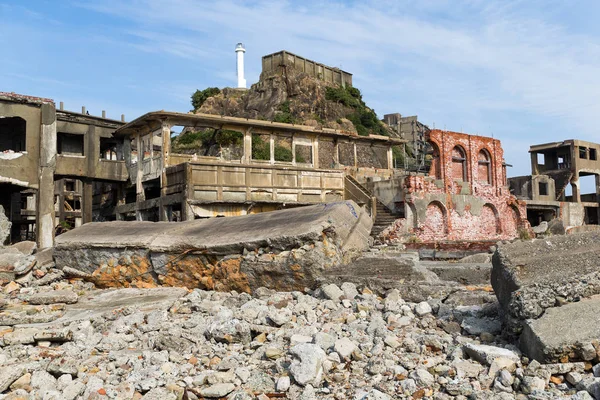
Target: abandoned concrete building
{"x":66,"y":168}
{"x":54,"y":165}
{"x":554,"y":188}
{"x":282,"y":60}
{"x":61,"y":167}
{"x":414,"y":132}
{"x":238,"y":179}
{"x":463,"y":197}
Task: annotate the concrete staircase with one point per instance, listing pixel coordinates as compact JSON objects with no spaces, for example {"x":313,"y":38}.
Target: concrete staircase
{"x":384,"y":217}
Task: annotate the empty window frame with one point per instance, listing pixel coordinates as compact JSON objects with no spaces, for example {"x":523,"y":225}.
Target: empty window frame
{"x":484,"y":167}
{"x":582,"y":152}
{"x":541,"y":158}
{"x":459,"y":164}
{"x":543,"y":188}
{"x":69,"y":144}
{"x":12,"y":134}
{"x":593,"y":154}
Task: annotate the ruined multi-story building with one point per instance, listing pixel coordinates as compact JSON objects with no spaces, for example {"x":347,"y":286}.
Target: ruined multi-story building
{"x":60,"y":169}
{"x":463,"y":197}
{"x":52,"y":162}
{"x":558,"y":168}
{"x":415,"y":133}
{"x":240,"y":179}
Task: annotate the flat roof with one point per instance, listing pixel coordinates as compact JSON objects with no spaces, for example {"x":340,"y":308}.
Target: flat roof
{"x":152,"y":121}
{"x":24,"y":99}
{"x":307,"y":59}
{"x":564,"y":143}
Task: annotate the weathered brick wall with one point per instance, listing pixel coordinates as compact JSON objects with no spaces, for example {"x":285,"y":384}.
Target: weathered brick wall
{"x":446,"y":207}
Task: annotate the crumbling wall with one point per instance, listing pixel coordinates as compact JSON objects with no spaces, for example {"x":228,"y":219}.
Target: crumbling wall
{"x":444,"y":206}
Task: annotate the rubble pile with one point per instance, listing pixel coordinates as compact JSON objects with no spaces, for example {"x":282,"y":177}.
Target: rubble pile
{"x":63,"y":339}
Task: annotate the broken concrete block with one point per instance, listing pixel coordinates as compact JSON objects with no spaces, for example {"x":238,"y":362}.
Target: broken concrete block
{"x":52,"y":297}
{"x":26,"y":247}
{"x":44,"y":257}
{"x":487,"y":354}
{"x":294,"y":246}
{"x":529,"y":277}
{"x":5,"y":225}
{"x":563,"y":332}
{"x":9,"y":374}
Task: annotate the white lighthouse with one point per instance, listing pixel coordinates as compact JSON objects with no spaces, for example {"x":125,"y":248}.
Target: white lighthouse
{"x":240,"y":50}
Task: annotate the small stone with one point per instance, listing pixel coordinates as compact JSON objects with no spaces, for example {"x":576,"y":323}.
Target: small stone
{"x":8,"y":375}
{"x":587,"y":352}
{"x":11,"y":287}
{"x":283,"y":384}
{"x":574,"y":377}
{"x":22,"y":383}
{"x":217,"y":390}
{"x":422,"y":377}
{"x":273,"y":353}
{"x":344,"y":347}
{"x":349,"y":290}
{"x":532,"y":383}
{"x":392,"y":341}
{"x":324,"y":340}
{"x":298,"y":339}
{"x":423,"y":308}
{"x":506,"y":378}
{"x":332,"y":292}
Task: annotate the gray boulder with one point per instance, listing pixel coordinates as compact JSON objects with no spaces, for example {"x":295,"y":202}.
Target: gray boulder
{"x":307,"y":368}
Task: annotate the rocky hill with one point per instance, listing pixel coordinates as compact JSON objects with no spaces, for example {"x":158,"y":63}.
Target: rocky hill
{"x":294,"y":97}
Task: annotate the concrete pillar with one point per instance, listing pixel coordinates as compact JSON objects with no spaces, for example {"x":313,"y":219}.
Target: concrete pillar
{"x":163,"y":211}
{"x":355,"y":155}
{"x":315,"y":152}
{"x":87,"y":200}
{"x":47,"y":166}
{"x":139,"y":187}
{"x":390,"y":158}
{"x":293,"y":149}
{"x":534,"y":168}
{"x":247,"y":146}
{"x":575,"y":189}
{"x":272,"y":148}
{"x":336,"y":152}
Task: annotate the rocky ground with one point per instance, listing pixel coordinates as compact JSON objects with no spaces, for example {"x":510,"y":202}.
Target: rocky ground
{"x":60,"y":338}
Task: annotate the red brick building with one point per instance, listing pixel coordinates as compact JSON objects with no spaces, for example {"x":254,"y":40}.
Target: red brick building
{"x":464,"y":197}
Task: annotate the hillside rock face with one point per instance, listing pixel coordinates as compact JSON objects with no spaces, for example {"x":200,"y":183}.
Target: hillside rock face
{"x":289,"y":96}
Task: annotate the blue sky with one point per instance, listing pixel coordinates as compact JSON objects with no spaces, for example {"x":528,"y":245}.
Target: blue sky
{"x":524,"y":72}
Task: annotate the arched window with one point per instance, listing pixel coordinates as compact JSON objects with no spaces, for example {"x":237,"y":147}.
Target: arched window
{"x":484,"y":167}
{"x":459,"y":164}
{"x":436,"y":166}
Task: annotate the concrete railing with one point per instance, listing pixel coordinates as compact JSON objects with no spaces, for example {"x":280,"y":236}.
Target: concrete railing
{"x":217,"y":182}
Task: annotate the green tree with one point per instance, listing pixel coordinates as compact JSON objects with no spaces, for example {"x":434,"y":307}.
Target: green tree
{"x":200,"y":96}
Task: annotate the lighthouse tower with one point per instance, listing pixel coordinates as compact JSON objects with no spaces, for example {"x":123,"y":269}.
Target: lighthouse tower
{"x":240,"y":50}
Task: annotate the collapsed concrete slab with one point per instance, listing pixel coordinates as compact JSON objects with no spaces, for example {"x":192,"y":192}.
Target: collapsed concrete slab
{"x":284,"y":250}
{"x":563,"y":334}
{"x":541,"y":285}
{"x":531,"y":276}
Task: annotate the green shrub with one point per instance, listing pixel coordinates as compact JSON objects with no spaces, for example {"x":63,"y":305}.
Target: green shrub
{"x":200,"y":96}
{"x":260,"y":149}
{"x":364,"y":120}
{"x":284,"y":115}
{"x":283,"y":154}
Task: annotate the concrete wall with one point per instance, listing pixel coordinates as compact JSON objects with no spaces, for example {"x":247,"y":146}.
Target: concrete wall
{"x":272,"y":63}
{"x":445,"y":207}
{"x":22,"y":168}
